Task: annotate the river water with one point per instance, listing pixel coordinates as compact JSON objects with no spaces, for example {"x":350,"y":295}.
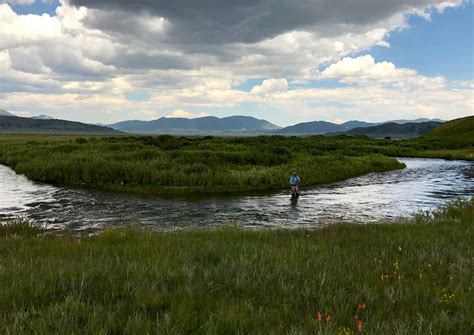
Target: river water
{"x":424,"y":184}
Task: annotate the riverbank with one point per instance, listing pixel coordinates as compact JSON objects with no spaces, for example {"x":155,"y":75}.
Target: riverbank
{"x":406,"y":277}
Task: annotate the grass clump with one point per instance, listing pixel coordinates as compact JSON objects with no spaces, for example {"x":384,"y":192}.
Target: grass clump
{"x":386,"y":278}
{"x":20,"y":227}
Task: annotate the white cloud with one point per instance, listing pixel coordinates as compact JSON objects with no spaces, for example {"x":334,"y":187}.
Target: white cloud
{"x":18,"y":2}
{"x":365,"y":71}
{"x":270,"y":86}
{"x":25,"y":30}
{"x":447,"y":4}
{"x":180,"y":113}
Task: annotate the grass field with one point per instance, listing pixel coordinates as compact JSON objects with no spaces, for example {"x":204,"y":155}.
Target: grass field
{"x":410,"y":277}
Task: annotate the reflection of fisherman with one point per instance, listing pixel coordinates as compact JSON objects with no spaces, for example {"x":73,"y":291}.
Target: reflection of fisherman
{"x":294,"y":180}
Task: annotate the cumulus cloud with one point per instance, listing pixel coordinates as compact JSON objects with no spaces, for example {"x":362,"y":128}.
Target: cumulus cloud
{"x":364,"y":70}
{"x":25,"y":30}
{"x":191,"y":53}
{"x":181,"y":113}
{"x":250,"y":21}
{"x":270,"y":86}
{"x":158,"y":42}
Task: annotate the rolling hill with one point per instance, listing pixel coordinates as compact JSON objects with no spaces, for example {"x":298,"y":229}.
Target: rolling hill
{"x":321,"y":127}
{"x":203,"y":125}
{"x":419,"y":120}
{"x":396,"y":130}
{"x":43,"y":117}
{"x":15,"y":124}
{"x":307,"y":128}
{"x":458,"y":130}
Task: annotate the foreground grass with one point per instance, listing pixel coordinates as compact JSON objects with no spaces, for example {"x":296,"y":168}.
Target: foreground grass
{"x":394,"y":278}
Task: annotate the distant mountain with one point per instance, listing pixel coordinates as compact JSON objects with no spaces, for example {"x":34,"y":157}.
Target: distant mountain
{"x":43,"y":117}
{"x":321,"y":127}
{"x":5,"y":113}
{"x":419,"y":120}
{"x":15,"y":124}
{"x":356,"y":124}
{"x":307,"y":128}
{"x":203,"y":125}
{"x":396,"y":130}
{"x":458,"y":130}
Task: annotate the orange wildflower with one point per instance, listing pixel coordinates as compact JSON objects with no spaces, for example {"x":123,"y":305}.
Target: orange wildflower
{"x":319,"y":315}
{"x":328,"y":317}
{"x":362,"y":306}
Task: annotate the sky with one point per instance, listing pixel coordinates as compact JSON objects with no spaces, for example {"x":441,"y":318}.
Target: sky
{"x":286,"y":61}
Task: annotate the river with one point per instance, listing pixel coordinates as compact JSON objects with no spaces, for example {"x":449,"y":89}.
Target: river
{"x":424,"y":184}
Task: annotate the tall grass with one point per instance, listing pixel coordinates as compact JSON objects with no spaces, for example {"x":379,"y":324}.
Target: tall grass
{"x":393,"y":278}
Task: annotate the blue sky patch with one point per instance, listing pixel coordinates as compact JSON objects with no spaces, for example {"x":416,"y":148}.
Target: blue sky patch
{"x":249,"y":84}
{"x":137,"y":96}
{"x":40,"y":7}
{"x":442,"y":46}
{"x":325,"y":83}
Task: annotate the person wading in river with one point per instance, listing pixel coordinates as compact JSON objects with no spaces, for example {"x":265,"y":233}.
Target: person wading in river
{"x":294,"y":181}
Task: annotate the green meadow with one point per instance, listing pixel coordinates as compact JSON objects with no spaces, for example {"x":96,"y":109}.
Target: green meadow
{"x":409,"y":277}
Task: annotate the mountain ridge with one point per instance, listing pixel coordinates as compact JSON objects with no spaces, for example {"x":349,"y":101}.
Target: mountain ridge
{"x":231,"y":124}
{"x":396,"y":130}
{"x":43,"y":117}
{"x":17,"y":124}
{"x":5,"y":113}
{"x":243,"y":125}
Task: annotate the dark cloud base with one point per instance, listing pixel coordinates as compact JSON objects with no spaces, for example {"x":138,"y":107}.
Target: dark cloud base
{"x":248,"y":21}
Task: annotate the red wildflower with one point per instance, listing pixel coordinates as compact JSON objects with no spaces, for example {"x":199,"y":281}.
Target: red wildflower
{"x":360,"y":325}
{"x":328,"y":317}
{"x":362,"y":306}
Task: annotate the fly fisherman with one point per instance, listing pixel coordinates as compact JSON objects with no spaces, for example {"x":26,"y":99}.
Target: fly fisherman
{"x":294,"y":180}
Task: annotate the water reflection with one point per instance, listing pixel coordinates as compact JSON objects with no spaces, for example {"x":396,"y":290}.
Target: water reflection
{"x":424,"y":184}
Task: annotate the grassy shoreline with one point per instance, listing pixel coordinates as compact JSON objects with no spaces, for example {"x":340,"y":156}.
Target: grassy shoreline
{"x":414,"y":276}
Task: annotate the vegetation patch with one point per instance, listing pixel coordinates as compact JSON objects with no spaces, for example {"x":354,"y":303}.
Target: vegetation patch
{"x":187,"y":165}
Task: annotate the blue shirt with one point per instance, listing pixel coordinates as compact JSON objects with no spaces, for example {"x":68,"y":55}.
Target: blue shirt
{"x":294,"y":180}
